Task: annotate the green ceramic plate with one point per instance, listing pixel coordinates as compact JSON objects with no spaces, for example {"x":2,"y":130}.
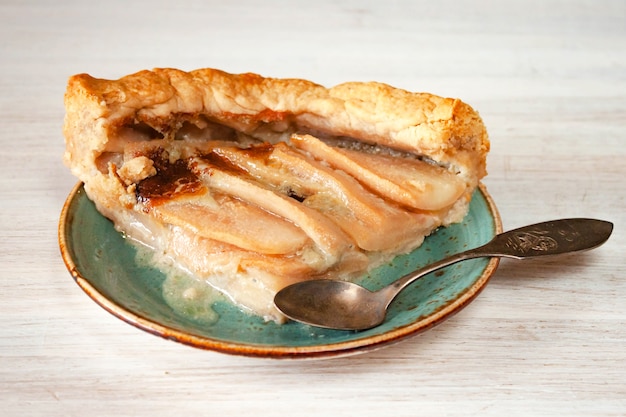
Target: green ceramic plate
{"x":105,"y":266}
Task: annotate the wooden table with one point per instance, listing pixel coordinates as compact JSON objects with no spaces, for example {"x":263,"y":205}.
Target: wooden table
{"x":544,"y":338}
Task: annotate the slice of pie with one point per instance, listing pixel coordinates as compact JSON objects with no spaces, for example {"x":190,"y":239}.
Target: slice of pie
{"x":253,"y":183}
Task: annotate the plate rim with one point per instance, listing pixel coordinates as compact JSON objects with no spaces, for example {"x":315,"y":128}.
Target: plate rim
{"x":344,"y":348}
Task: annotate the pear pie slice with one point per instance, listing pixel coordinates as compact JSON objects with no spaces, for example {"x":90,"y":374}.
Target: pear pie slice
{"x":253,"y":183}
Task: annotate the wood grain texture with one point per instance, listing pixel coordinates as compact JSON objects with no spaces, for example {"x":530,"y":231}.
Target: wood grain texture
{"x":544,"y":338}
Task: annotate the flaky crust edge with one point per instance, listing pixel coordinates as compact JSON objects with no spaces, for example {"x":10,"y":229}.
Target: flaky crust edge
{"x":444,"y":130}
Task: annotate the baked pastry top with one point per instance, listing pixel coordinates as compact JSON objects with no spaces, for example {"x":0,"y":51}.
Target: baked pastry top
{"x":253,"y":183}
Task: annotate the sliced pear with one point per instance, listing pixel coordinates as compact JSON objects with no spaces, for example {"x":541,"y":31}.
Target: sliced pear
{"x":331,"y":241}
{"x":374,"y":224}
{"x":410,"y":182}
{"x":233,"y":221}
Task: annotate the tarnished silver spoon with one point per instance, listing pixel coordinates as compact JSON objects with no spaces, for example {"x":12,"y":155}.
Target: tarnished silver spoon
{"x":348,"y":306}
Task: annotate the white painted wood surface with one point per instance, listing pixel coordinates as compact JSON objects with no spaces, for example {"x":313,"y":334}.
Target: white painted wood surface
{"x":545,"y":338}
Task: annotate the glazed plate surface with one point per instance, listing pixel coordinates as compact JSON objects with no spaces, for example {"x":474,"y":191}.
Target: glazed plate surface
{"x":109,"y":270}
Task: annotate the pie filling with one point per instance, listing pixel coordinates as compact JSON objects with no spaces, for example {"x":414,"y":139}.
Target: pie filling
{"x":250,"y":212}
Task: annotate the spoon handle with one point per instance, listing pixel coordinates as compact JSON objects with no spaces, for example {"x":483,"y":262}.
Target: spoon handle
{"x":542,"y":239}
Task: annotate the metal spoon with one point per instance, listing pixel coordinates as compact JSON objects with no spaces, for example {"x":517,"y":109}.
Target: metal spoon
{"x":348,"y":306}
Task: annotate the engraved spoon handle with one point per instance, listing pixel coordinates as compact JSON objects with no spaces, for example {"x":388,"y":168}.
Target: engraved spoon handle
{"x":542,"y":239}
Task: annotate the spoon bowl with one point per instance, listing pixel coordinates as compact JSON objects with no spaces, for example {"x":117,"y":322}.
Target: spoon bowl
{"x":348,"y":306}
{"x":332,"y":304}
